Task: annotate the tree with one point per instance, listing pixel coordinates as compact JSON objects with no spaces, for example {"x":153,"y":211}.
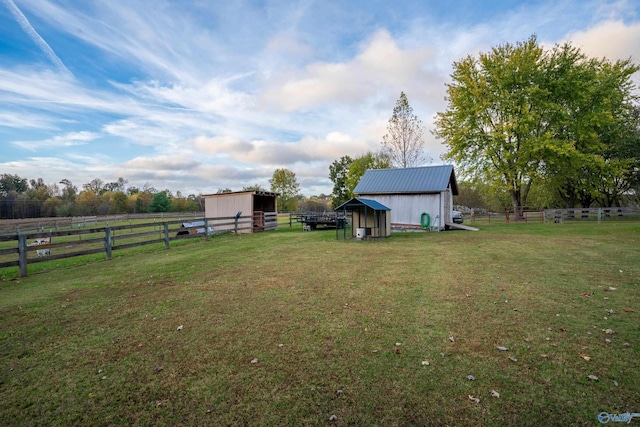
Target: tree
{"x":87,"y":203}
{"x":338,"y":171}
{"x":119,"y":203}
{"x":361,"y":164}
{"x":592,"y":121}
{"x":14,"y":183}
{"x":96,"y":186}
{"x":116,"y":186}
{"x":520,"y":115}
{"x":160,"y":203}
{"x":404,"y":141}
{"x":284,"y":182}
{"x":254,"y":187}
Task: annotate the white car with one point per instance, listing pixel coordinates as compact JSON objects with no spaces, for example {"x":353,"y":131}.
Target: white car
{"x":457,"y":217}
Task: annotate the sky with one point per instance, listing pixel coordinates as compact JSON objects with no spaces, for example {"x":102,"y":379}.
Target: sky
{"x":197,"y":95}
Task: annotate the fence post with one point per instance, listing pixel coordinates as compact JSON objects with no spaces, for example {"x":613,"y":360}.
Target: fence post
{"x":107,"y":242}
{"x":206,"y":229}
{"x":22,"y":254}
{"x":166,"y":235}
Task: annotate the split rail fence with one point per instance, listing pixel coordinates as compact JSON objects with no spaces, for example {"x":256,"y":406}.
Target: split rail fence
{"x":21,"y":249}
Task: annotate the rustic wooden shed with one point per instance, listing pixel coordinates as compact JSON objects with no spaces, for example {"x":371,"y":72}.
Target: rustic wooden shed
{"x":258,"y":209}
{"x":420,"y":197}
{"x":369,"y":218}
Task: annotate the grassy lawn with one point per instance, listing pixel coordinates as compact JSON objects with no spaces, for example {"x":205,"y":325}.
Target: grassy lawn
{"x":290,"y":327}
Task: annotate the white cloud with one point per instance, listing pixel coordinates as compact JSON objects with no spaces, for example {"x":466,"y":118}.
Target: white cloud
{"x":22,"y":120}
{"x":67,"y":140}
{"x":610,"y":39}
{"x":161,"y":163}
{"x":381,"y":66}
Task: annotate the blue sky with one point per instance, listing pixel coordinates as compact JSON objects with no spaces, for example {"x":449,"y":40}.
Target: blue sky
{"x":194,"y":96}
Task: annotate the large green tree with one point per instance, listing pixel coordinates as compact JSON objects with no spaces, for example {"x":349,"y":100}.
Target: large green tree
{"x":284,"y":182}
{"x":12,"y":183}
{"x":346,"y":173}
{"x":404,"y":141}
{"x":591,"y":121}
{"x":338,"y":171}
{"x":520,"y":116}
{"x":160,"y":202}
{"x":361,"y":164}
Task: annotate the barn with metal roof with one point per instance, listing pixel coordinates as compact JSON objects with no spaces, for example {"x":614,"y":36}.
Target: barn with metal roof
{"x":420,"y":197}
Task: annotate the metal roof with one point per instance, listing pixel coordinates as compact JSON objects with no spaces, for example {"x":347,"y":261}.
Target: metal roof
{"x":254,"y":192}
{"x":357,"y":202}
{"x":428,"y":179}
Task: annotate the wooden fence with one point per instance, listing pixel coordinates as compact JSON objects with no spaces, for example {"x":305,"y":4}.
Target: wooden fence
{"x":16,"y":226}
{"x":15,"y":249}
{"x":591,"y":214}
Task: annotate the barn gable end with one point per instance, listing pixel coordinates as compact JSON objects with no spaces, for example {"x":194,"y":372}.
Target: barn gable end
{"x":412,"y":192}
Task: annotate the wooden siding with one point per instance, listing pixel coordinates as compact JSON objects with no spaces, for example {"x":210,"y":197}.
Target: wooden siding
{"x":227,"y":205}
{"x":379,"y":222}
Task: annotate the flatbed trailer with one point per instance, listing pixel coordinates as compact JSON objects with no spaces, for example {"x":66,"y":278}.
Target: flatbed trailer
{"x":324,"y":220}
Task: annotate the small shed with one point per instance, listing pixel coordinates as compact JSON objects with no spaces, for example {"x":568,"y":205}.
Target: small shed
{"x":420,"y":197}
{"x":258,"y":210}
{"x":369,"y":218}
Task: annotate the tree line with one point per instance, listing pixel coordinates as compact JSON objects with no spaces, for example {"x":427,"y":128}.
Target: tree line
{"x":33,"y":198}
{"x":23,"y":198}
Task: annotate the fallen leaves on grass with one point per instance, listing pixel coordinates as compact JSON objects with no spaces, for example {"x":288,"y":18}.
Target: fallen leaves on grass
{"x":628,"y":310}
{"x":425,"y":363}
{"x":593,"y":378}
{"x":180,"y":327}
{"x":495,"y":394}
{"x":608,"y":331}
{"x":475,"y":399}
{"x":254,"y":361}
{"x":501,"y":348}
{"x":584,"y":356}
{"x":471,"y":377}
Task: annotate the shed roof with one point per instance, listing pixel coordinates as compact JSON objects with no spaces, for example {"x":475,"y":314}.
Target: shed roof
{"x":357,"y":202}
{"x":427,"y":179}
{"x":234,"y":193}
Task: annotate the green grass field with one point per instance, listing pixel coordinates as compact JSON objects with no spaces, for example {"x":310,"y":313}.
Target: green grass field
{"x":291,"y":328}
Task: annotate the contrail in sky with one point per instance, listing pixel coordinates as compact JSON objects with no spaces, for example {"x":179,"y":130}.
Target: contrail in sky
{"x":28,"y":28}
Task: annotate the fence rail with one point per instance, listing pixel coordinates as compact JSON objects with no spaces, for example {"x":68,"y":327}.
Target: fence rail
{"x":15,"y":226}
{"x":590,"y":214}
{"x":15,"y":249}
